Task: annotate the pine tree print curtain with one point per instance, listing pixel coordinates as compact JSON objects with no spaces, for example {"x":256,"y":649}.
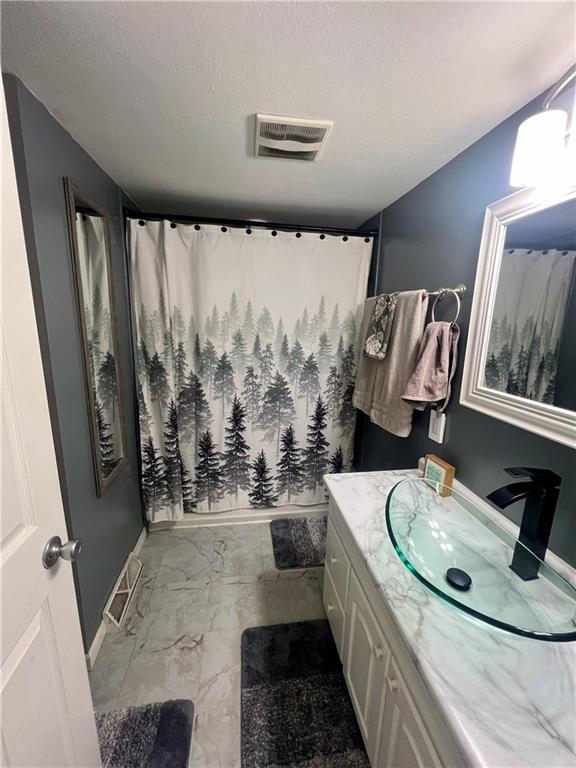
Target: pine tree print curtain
{"x":93,"y":273}
{"x":529,"y":311}
{"x":246,"y":357}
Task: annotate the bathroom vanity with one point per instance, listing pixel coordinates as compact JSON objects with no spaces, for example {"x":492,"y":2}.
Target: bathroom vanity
{"x":430,"y":685}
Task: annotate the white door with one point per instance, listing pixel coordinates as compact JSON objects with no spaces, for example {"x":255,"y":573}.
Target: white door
{"x":46,"y":710}
{"x":366,"y":659}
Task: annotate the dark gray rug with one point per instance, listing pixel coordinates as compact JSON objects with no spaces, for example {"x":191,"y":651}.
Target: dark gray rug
{"x":299,"y":542}
{"x":295,"y":706}
{"x":152,"y":736}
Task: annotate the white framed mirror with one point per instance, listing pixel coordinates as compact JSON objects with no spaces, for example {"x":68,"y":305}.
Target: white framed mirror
{"x":520,"y":363}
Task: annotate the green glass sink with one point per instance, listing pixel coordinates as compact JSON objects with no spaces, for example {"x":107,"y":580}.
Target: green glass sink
{"x":463,"y":556}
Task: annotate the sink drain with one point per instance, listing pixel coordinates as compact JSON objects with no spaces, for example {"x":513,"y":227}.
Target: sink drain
{"x":458,"y":579}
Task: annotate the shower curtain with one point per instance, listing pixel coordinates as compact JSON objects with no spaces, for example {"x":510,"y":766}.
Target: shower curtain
{"x":528,"y":321}
{"x":246,"y":356}
{"x":93,"y":272}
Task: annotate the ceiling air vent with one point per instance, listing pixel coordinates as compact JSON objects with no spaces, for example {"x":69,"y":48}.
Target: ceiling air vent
{"x":293,"y":138}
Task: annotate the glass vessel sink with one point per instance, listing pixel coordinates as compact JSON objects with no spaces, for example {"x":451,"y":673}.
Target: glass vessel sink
{"x":463,"y":556}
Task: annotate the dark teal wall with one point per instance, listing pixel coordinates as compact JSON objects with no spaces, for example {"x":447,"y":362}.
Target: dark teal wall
{"x":431,"y":238}
{"x":108,"y":527}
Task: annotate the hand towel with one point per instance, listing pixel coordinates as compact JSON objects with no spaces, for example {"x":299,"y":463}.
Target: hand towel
{"x":364,"y":384}
{"x":431,"y":380}
{"x":380,"y":383}
{"x":380,"y":326}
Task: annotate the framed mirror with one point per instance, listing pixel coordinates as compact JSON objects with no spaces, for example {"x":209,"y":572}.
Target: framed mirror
{"x":520,"y":363}
{"x":90,"y":246}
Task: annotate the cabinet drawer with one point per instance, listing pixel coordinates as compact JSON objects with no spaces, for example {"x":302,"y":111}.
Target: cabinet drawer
{"x":337,"y":564}
{"x":334,"y":612}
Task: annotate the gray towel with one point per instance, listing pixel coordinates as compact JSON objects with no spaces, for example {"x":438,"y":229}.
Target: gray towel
{"x":380,"y":383}
{"x":380,"y":326}
{"x":431,"y":380}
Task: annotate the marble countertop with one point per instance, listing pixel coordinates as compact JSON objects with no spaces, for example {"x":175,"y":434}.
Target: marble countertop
{"x":510,"y":701}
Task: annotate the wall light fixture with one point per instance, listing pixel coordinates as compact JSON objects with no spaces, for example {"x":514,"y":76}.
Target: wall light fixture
{"x":542,"y":154}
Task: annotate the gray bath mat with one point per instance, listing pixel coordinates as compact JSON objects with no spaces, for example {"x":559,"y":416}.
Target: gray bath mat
{"x":295,"y":708}
{"x":299,"y":542}
{"x":152,"y":736}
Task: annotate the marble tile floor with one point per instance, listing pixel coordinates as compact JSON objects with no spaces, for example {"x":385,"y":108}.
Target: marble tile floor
{"x":200,"y":588}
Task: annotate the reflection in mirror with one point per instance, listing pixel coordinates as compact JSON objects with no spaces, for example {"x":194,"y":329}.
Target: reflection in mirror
{"x":532,"y":347}
{"x":90,"y":242}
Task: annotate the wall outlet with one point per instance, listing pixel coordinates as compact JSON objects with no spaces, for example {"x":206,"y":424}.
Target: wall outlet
{"x":437,"y":426}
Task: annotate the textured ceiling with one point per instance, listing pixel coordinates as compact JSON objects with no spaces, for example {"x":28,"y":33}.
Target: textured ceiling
{"x":161,"y":94}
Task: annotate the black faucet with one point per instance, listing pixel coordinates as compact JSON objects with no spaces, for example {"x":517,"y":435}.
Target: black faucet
{"x":541,"y":494}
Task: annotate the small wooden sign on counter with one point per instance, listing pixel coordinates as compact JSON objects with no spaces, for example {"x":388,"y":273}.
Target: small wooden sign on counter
{"x":438,"y":471}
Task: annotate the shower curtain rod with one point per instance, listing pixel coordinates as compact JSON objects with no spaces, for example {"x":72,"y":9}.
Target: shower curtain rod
{"x":129,"y":213}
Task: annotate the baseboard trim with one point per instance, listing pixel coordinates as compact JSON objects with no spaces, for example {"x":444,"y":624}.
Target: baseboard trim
{"x":96,"y":644}
{"x":140,"y":543}
{"x":196,"y":520}
{"x":94,"y":649}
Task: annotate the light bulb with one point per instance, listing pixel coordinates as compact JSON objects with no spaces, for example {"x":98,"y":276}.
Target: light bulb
{"x":540,"y":151}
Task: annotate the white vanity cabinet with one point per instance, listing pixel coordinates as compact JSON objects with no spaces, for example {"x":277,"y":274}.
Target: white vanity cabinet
{"x":366,"y":659}
{"x":405,"y":741}
{"x":390,"y":701}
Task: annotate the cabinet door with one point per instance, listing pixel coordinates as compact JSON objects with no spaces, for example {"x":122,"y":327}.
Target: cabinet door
{"x":404,"y":741}
{"x":366,"y":659}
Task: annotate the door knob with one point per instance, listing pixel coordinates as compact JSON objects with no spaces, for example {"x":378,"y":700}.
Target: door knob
{"x":55,"y":549}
